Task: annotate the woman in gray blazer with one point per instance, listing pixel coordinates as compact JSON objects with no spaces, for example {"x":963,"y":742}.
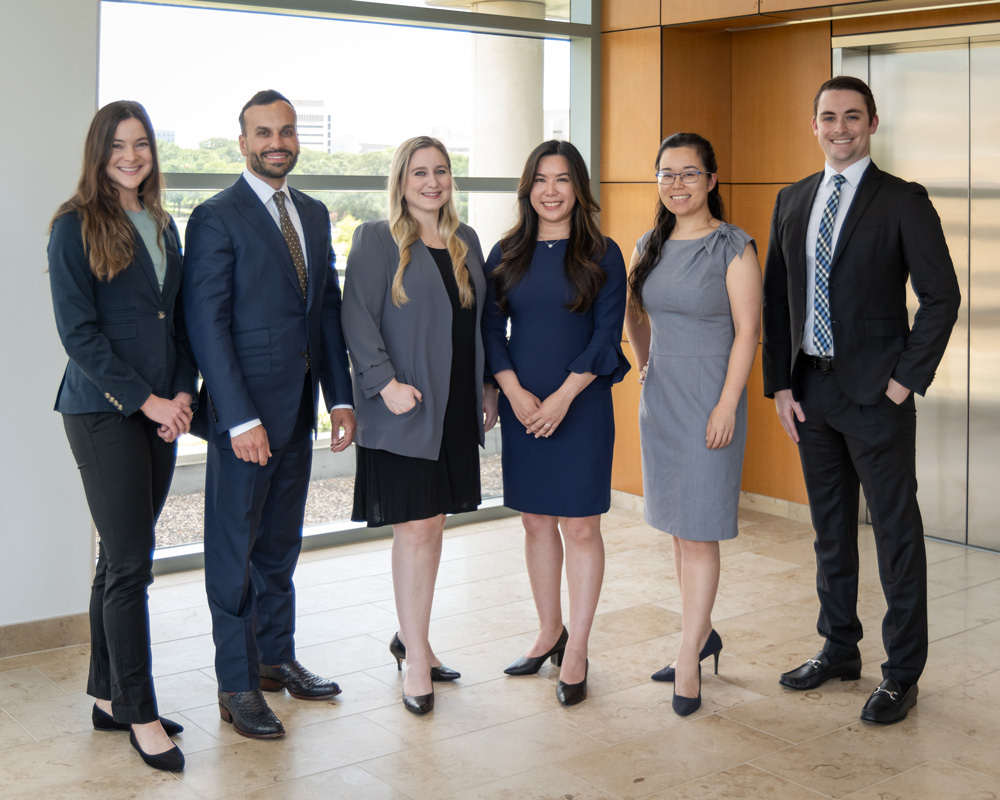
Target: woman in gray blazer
{"x":411,"y":312}
{"x":115,"y":273}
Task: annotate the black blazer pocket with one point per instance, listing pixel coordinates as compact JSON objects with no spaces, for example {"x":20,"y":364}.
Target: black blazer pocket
{"x":887,"y":327}
{"x":251,"y":340}
{"x":119,"y":330}
{"x":255,"y":366}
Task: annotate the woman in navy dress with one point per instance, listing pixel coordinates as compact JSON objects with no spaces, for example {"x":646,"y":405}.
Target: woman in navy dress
{"x":561,"y":285}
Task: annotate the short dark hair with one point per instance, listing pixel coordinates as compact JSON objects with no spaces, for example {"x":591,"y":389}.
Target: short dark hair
{"x":263,"y":98}
{"x":850,"y":84}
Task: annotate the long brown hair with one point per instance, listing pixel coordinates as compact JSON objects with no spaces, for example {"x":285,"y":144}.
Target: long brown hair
{"x":405,"y":229}
{"x":586,"y":244}
{"x":108,"y":235}
{"x":665,"y":220}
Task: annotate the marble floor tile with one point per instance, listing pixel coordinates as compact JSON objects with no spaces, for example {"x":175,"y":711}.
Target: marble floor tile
{"x":648,"y":764}
{"x":981,"y":757}
{"x":67,"y":667}
{"x":58,"y":715}
{"x":26,"y":683}
{"x":137,"y":781}
{"x":739,"y":783}
{"x":349,"y":783}
{"x":933,"y":780}
{"x":969,"y":708}
{"x":342,"y":593}
{"x":543,"y":783}
{"x":11,"y":732}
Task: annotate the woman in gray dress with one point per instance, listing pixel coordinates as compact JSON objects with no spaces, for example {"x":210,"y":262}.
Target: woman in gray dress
{"x":694,"y":324}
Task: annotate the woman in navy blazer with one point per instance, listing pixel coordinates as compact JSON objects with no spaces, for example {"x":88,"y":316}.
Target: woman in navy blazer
{"x":126,"y":395}
{"x":413,"y":298}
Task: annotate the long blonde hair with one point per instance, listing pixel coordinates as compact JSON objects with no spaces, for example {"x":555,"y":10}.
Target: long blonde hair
{"x":108,"y":236}
{"x":405,"y":229}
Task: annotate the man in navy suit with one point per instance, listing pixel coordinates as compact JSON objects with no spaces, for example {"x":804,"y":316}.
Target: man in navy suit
{"x":264,"y":320}
{"x":842,"y":363}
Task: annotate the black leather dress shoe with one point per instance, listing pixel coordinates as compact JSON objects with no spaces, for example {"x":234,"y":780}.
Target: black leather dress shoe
{"x":300,"y":682}
{"x":817,"y":671}
{"x":569,"y":694}
{"x":250,"y":715}
{"x":889,"y":703}
{"x":105,"y":722}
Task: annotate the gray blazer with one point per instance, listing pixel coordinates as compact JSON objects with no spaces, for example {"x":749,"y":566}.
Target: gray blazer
{"x":411,"y":344}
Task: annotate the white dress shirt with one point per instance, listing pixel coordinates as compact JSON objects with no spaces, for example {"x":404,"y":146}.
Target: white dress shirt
{"x":852,"y":177}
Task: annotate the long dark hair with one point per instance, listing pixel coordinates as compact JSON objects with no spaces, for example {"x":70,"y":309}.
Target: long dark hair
{"x":108,"y":236}
{"x":665,"y":220}
{"x":586,"y":244}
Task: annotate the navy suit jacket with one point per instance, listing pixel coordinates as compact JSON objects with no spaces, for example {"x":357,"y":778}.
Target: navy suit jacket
{"x":891,"y":235}
{"x":250,"y":328}
{"x":125,"y":338}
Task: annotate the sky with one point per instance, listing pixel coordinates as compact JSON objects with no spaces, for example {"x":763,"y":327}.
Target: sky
{"x":204,"y":64}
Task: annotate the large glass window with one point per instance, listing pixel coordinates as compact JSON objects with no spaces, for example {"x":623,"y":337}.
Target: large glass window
{"x":363,"y":77}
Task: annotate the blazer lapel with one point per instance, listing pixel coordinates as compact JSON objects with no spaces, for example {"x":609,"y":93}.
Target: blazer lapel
{"x":263,"y":223}
{"x":313,"y":227}
{"x":145,"y":262}
{"x":174,"y":264}
{"x":867,"y":189}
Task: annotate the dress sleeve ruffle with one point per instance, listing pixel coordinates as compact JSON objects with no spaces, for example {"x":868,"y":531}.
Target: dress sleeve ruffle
{"x":606,"y":360}
{"x":731,"y":239}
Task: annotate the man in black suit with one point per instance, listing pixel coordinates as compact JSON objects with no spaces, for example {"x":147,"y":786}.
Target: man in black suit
{"x":842,"y":363}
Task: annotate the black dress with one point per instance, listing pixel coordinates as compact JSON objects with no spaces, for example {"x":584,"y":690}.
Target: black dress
{"x":390,"y":488}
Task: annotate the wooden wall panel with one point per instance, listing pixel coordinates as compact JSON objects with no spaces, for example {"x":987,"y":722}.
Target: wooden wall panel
{"x":697,"y":80}
{"x":750,"y":208}
{"x":919,"y":19}
{"x":676,"y":12}
{"x":627,"y":212}
{"x":776,"y":72}
{"x":626,"y":470}
{"x":630,"y":103}
{"x":618,"y":15}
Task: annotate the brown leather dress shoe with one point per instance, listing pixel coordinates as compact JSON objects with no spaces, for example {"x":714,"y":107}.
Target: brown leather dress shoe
{"x":250,"y":715}
{"x":817,"y":671}
{"x":300,"y":682}
{"x":889,"y":703}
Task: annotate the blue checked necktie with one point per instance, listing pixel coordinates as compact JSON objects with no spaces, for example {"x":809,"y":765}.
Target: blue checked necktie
{"x":822,"y":335}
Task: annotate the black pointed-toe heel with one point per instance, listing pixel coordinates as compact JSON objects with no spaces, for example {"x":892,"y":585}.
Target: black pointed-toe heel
{"x":713,"y":646}
{"x":418,"y":703}
{"x":569,"y":694}
{"x":683,"y":706}
{"x":439,"y":674}
{"x":103,"y":721}
{"x":529,"y":665}
{"x":171,"y":760}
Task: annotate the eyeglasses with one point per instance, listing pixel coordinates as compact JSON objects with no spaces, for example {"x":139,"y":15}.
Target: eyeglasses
{"x":691,"y":176}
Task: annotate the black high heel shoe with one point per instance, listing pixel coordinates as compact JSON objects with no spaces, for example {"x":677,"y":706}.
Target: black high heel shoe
{"x":171,"y":760}
{"x":103,"y":721}
{"x":442,"y":673}
{"x":418,"y":703}
{"x":529,"y":665}
{"x":569,"y":694}
{"x":683,"y":706}
{"x":713,"y":646}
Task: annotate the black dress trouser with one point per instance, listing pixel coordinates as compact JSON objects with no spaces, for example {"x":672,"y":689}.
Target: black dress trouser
{"x":126,"y":470}
{"x":841,"y":444}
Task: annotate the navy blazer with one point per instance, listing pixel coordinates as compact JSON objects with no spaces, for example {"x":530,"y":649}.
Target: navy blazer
{"x":251,"y":330}
{"x":125,"y":338}
{"x":891,"y":235}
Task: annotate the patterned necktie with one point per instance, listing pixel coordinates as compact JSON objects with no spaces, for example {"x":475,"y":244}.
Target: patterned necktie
{"x":822,"y":334}
{"x":292,"y":240}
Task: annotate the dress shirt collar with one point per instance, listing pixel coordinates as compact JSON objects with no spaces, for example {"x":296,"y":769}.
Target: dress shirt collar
{"x":852,"y":173}
{"x":264,"y":190}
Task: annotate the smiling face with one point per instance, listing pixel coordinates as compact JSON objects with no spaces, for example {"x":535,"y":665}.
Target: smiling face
{"x":270,"y":143}
{"x":553,"y":196}
{"x":130,"y":162}
{"x":843,"y":128}
{"x":428,"y":184}
{"x":684,"y":199}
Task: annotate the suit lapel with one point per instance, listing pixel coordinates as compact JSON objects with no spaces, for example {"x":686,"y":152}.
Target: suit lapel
{"x":263,"y":223}
{"x":313,"y":227}
{"x":867,"y":189}
{"x":174,"y":265}
{"x":144,"y":261}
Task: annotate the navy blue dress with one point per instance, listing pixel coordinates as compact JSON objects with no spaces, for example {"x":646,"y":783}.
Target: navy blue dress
{"x":569,"y":473}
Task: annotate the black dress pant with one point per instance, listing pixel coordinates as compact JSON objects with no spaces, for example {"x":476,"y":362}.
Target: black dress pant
{"x":840,"y":444}
{"x":126,"y":470}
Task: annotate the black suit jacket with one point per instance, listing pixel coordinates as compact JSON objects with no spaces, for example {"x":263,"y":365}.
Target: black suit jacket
{"x":891,"y":234}
{"x":125,"y":338}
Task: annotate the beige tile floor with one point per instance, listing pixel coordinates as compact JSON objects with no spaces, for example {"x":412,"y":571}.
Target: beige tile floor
{"x":491,"y":736}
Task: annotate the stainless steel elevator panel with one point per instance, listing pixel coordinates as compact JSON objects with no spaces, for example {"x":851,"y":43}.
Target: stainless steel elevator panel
{"x":923,"y":136}
{"x":984,"y":296}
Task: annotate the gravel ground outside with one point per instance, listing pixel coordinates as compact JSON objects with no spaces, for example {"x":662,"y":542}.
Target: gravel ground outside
{"x":183,"y":517}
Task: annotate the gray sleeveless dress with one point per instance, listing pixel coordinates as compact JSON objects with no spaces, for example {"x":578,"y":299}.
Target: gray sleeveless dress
{"x":690,"y":491}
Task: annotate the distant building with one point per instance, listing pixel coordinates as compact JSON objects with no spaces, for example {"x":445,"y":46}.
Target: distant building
{"x":164,"y":136}
{"x":314,"y":124}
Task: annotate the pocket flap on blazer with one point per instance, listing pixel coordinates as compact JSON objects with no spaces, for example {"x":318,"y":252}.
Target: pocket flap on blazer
{"x":250,"y":340}
{"x":887,"y":327}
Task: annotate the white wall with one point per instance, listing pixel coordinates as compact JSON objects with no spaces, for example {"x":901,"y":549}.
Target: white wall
{"x":49,"y":64}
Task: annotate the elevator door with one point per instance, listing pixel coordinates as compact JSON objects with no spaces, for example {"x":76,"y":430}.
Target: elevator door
{"x":940,"y":126}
